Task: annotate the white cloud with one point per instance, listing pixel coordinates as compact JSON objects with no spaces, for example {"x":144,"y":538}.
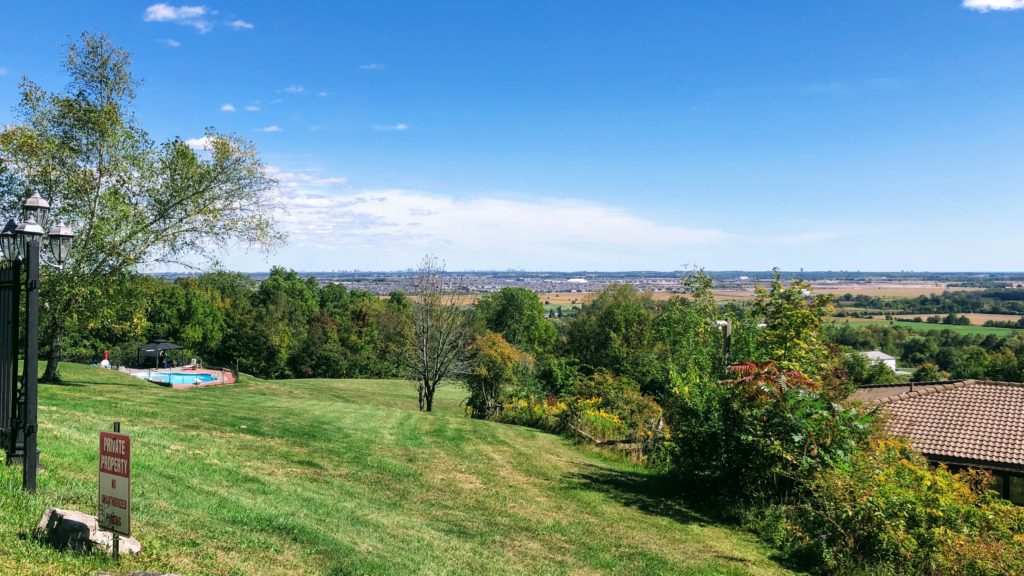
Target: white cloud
{"x":241,"y":25}
{"x":171,"y":42}
{"x":987,"y":5}
{"x":252,"y":108}
{"x":370,"y":66}
{"x":294,"y":89}
{"x":399,"y":127}
{"x":300,"y":180}
{"x":401,"y":225}
{"x":322,"y":94}
{"x":271,"y":128}
{"x":3,"y":71}
{"x":194,"y":16}
{"x":229,"y":107}
{"x":201,"y":143}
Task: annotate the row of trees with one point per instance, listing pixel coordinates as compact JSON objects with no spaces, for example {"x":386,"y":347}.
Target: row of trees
{"x":990,"y":301}
{"x":936,"y":354}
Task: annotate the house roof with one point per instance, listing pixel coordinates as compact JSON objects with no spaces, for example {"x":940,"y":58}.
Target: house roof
{"x":970,"y":422}
{"x":877,"y":355}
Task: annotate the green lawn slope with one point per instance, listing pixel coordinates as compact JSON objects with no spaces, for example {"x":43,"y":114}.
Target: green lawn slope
{"x":346,"y":477}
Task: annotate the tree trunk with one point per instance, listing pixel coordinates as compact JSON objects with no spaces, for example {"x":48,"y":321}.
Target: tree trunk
{"x":421,"y":397}
{"x":429,"y":393}
{"x":54,"y":354}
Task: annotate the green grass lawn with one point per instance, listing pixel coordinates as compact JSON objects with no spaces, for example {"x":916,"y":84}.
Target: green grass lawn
{"x":346,"y":477}
{"x":925,"y":326}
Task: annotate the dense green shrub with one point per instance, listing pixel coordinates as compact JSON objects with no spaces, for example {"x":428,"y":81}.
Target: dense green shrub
{"x":762,"y":436}
{"x":608,"y":407}
{"x":496,"y":367}
{"x":543,"y":414}
{"x":887,"y":511}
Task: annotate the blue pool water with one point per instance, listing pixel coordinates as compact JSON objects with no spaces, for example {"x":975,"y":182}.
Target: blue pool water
{"x":179,"y":378}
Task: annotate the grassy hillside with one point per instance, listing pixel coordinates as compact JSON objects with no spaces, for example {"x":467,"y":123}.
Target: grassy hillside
{"x":346,"y":477}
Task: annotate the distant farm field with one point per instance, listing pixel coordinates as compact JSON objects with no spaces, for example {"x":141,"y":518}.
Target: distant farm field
{"x":925,"y":326}
{"x":881,"y":290}
{"x":346,"y":477}
{"x":976,"y":319}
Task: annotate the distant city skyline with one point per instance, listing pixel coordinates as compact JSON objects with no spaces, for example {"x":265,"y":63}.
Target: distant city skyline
{"x":597,"y":136}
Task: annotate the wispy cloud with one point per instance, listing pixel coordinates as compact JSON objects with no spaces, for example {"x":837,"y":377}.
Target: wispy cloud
{"x":323,"y":94}
{"x":304,"y":180}
{"x":171,"y":42}
{"x":3,"y":71}
{"x":229,"y":107}
{"x":271,"y":128}
{"x":331,"y":216}
{"x":194,"y":16}
{"x":988,"y":5}
{"x":294,"y":89}
{"x":252,"y":108}
{"x":399,"y":127}
{"x":371,"y":66}
{"x":241,"y":25}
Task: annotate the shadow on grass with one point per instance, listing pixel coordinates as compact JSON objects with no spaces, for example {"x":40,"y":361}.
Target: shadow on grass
{"x":63,"y":384}
{"x":656,"y":494}
{"x":661,"y":495}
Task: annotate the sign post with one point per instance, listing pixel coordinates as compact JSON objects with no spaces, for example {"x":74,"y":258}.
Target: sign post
{"x":115,"y":503}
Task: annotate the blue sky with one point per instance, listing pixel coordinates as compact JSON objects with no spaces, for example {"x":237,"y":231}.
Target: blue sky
{"x":859,"y":135}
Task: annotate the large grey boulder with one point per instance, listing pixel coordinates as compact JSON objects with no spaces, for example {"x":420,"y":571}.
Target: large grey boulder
{"x":77,"y":531}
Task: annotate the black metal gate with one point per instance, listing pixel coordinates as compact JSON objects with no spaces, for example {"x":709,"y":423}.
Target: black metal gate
{"x":13,"y":400}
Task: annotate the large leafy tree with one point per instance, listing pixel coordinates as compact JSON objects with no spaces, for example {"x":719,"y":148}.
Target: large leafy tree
{"x":518,"y":315}
{"x":132,"y":202}
{"x":615,"y":332}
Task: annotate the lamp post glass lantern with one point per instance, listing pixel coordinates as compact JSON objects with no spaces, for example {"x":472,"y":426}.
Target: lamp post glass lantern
{"x":14,"y":237}
{"x":60,"y":237}
{"x":8,"y":240}
{"x":27,"y":231}
{"x":35,"y":208}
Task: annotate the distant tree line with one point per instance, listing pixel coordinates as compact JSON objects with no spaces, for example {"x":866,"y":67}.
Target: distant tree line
{"x":938,"y":354}
{"x":988,"y":301}
{"x":282,"y":327}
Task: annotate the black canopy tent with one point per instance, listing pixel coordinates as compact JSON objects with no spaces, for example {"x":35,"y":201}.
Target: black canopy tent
{"x":156,"y":350}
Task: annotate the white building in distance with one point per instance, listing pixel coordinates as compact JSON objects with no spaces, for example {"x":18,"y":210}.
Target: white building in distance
{"x":879,"y":356}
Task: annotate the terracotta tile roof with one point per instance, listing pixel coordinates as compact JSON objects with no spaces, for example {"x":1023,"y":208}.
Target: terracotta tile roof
{"x":966,"y":421}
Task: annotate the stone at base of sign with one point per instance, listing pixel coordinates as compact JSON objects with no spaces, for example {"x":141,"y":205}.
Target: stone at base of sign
{"x":78,"y":531}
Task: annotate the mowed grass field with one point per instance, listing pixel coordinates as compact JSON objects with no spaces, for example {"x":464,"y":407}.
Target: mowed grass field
{"x":925,"y":326}
{"x":977,"y":319}
{"x":347,"y":477}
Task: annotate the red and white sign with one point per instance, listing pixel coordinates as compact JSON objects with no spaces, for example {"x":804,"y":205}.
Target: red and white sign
{"x":115,"y":511}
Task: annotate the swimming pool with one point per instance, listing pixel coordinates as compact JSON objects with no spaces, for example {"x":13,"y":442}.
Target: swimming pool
{"x":178,"y":377}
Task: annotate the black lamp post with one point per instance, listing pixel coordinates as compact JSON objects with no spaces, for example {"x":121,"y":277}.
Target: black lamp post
{"x":20,"y":244}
